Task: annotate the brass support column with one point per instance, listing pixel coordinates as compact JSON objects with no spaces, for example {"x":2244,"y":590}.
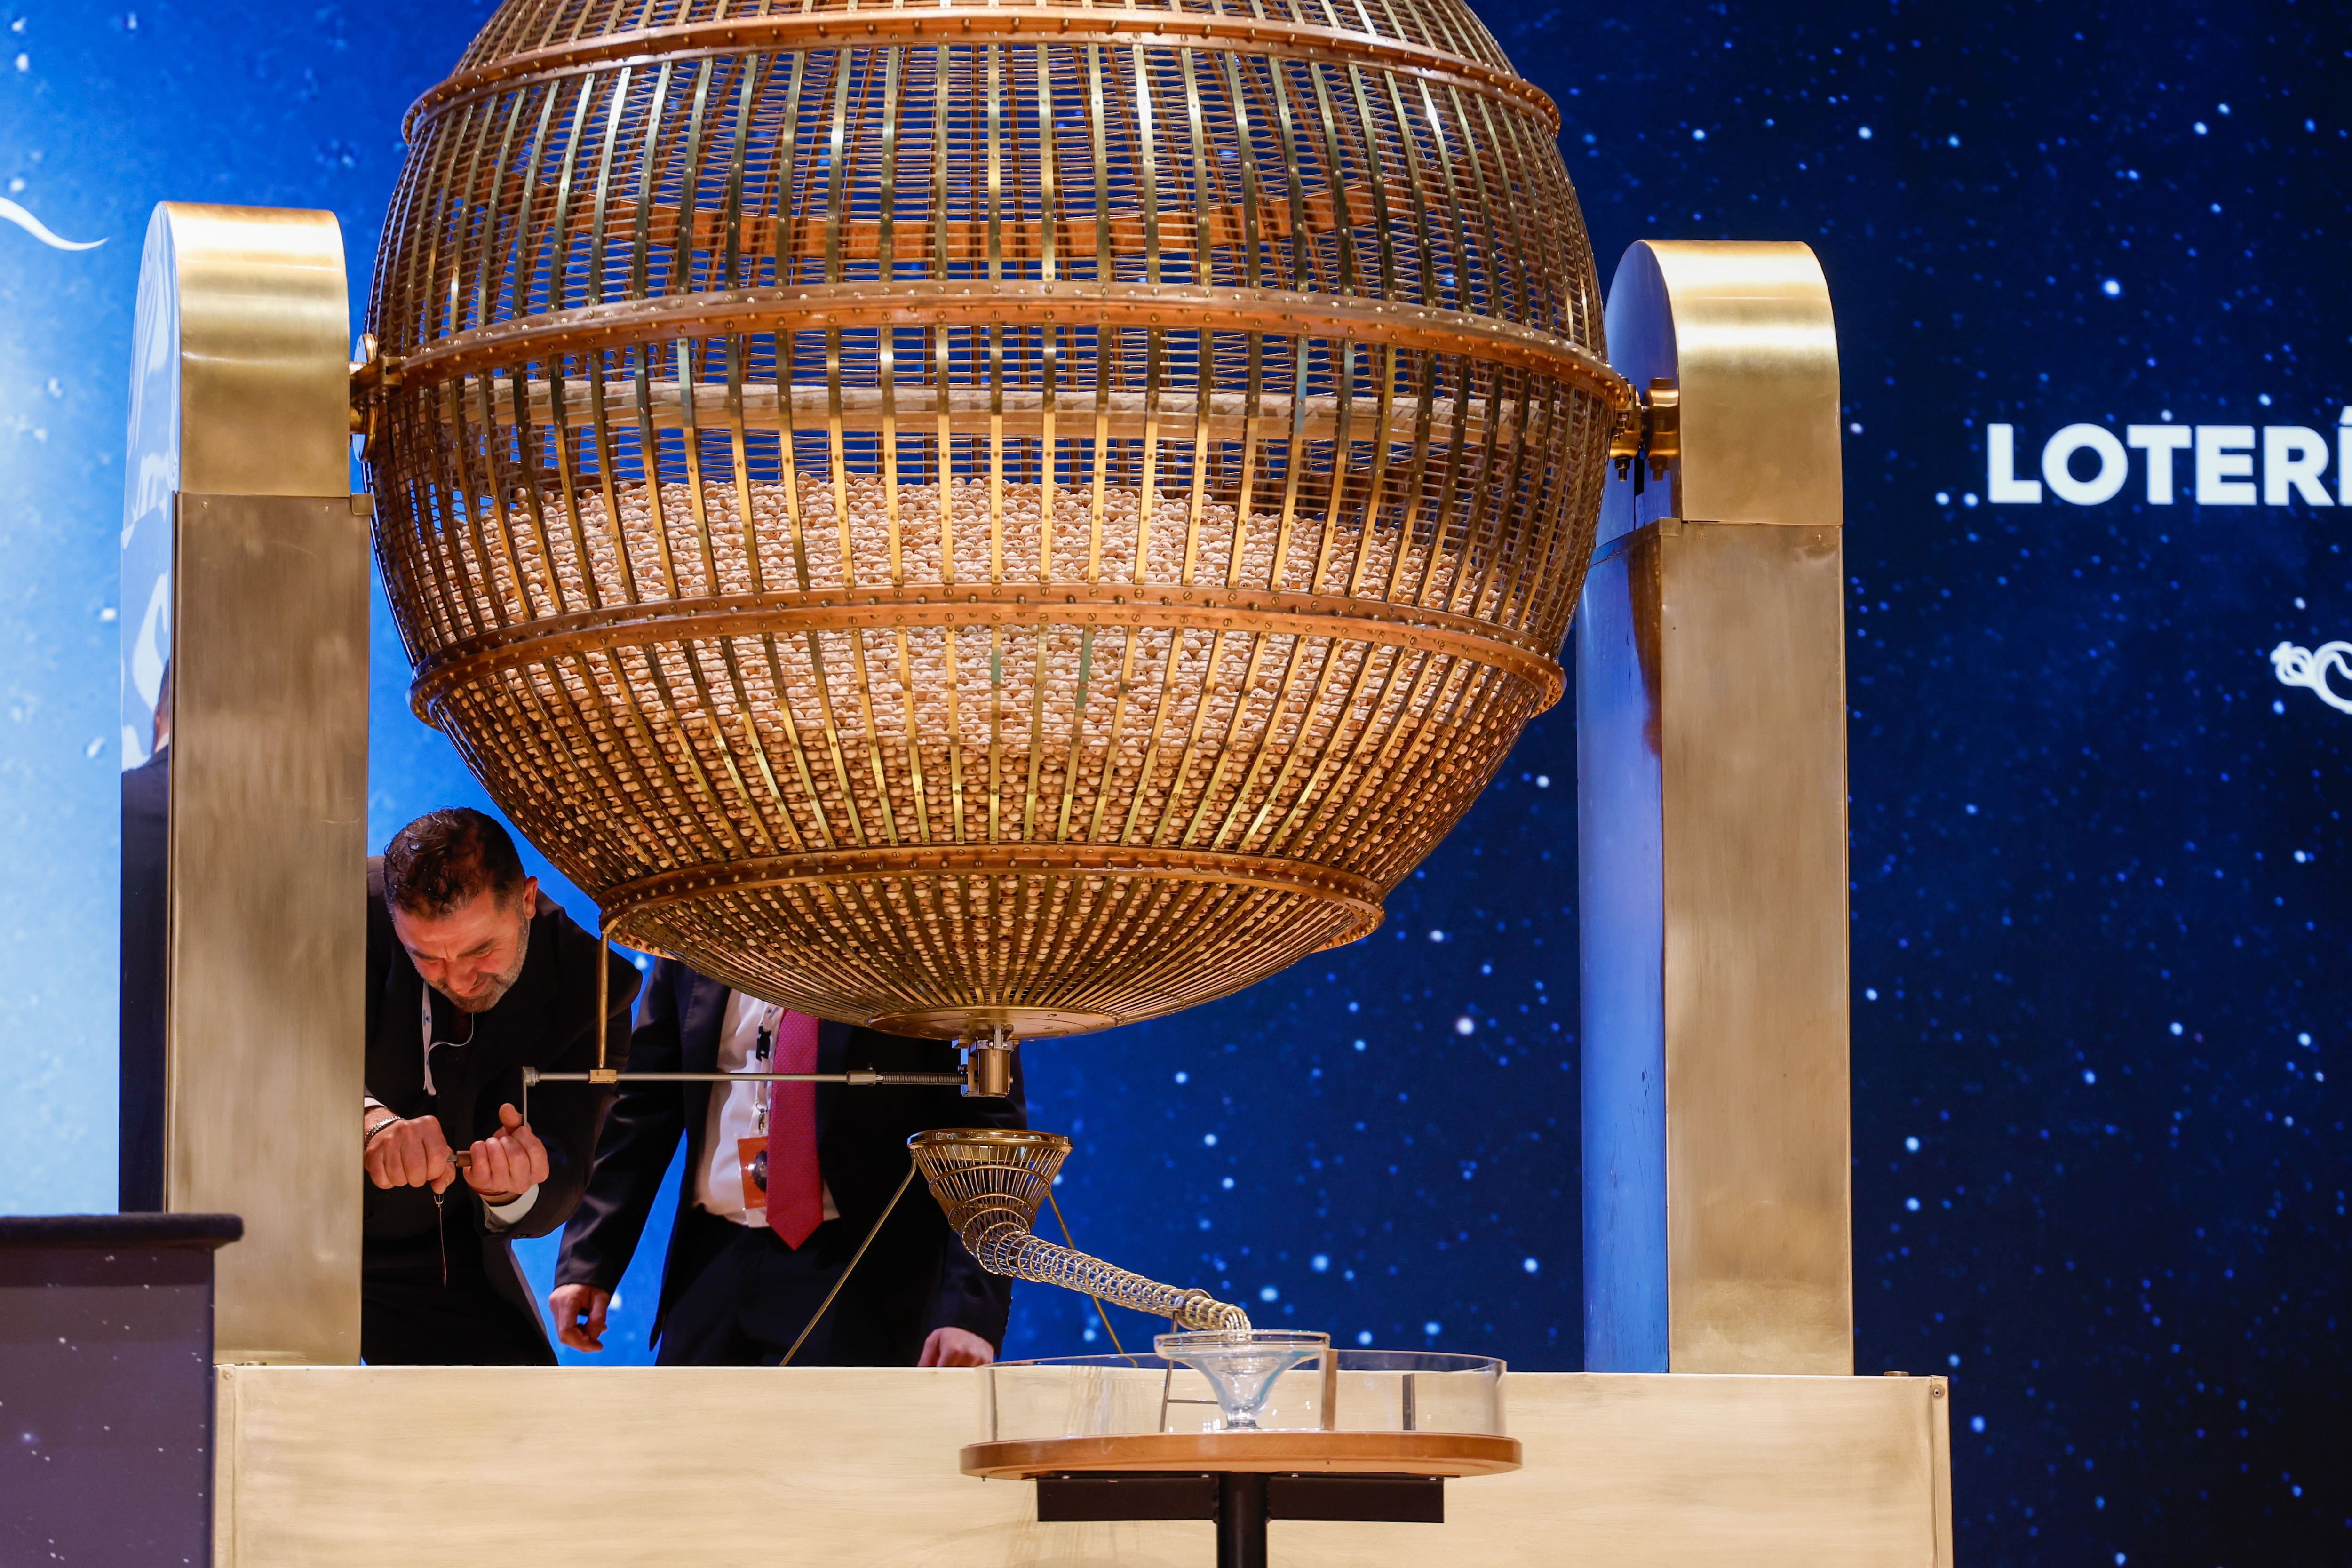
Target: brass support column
{"x":244,"y":699}
{"x":1712,"y":833}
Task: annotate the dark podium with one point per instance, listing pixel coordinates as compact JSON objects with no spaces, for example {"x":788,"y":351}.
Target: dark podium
{"x":106,"y":1387}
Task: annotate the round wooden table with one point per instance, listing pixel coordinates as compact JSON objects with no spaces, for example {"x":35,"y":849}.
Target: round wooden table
{"x":1240,"y":1479}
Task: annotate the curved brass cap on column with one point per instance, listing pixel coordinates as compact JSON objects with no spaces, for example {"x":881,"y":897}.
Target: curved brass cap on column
{"x":1737,"y":338}
{"x":240,"y":382}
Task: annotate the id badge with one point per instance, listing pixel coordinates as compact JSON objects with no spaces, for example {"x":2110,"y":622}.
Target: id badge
{"x":752,"y":1158}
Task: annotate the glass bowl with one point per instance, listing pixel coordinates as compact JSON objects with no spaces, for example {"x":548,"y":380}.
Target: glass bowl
{"x":1332,"y":1391}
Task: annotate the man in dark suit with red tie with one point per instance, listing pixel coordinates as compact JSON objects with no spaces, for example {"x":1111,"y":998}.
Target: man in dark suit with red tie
{"x":783,"y":1182}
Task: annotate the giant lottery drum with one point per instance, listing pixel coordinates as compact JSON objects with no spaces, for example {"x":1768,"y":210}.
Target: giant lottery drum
{"x":986,"y":520}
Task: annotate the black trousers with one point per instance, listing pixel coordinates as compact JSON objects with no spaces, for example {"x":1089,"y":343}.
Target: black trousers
{"x":743,"y":1297}
{"x":409,"y":1316}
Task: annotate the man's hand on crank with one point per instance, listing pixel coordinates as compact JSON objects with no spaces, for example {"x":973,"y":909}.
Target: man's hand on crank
{"x":407,"y":1152}
{"x":509,"y":1162}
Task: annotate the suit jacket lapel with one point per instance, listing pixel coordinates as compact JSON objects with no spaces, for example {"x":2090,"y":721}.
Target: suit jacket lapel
{"x":697,"y":1051}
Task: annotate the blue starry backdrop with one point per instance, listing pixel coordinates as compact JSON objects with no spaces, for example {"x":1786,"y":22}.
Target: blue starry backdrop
{"x":2088,"y":263}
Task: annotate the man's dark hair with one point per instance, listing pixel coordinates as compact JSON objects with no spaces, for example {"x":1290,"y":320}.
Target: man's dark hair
{"x":444,"y":858}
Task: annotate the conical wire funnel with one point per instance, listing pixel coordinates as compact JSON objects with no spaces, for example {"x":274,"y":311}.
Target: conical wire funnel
{"x":991,"y":1180}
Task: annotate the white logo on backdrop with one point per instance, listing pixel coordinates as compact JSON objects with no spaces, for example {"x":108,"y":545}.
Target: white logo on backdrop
{"x":2309,"y":667}
{"x":41,"y":231}
{"x":2219,"y":460}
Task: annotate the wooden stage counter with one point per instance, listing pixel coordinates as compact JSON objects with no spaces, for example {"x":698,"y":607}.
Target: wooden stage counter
{"x":575,"y":1467}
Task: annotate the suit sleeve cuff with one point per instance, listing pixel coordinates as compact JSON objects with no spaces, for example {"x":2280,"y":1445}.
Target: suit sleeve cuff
{"x":505,"y":1216}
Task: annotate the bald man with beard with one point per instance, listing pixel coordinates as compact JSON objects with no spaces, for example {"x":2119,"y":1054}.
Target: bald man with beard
{"x":473,"y":975}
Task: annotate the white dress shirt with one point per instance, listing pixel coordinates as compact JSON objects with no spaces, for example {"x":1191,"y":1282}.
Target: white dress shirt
{"x":735,"y":1114}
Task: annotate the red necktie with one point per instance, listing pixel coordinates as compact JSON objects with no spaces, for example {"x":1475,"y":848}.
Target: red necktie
{"x":795,"y":1194}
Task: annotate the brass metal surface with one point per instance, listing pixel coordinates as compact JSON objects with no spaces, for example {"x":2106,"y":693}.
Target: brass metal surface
{"x":1711,"y":736}
{"x":1260,"y":29}
{"x":250,"y":304}
{"x":1335,"y":1453}
{"x":1037,"y":516}
{"x":241,"y":362}
{"x":1742,"y":333}
{"x":324,"y":1464}
{"x":268,"y":866}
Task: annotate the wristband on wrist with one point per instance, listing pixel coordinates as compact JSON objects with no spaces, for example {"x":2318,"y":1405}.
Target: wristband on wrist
{"x":375,"y":1129}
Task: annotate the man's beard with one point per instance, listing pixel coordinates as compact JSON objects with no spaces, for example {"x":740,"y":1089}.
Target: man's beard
{"x":491,"y":994}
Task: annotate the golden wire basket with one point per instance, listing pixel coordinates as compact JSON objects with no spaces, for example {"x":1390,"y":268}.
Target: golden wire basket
{"x":1026,"y":517}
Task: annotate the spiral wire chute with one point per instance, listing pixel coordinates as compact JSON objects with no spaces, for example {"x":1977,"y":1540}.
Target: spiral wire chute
{"x":993,"y":1182}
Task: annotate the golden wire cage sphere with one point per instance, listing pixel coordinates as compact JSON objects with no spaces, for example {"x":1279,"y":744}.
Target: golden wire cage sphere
{"x":1033,"y":515}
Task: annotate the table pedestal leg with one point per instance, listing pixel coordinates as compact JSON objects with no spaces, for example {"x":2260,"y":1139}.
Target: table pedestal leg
{"x":1241,"y":1519}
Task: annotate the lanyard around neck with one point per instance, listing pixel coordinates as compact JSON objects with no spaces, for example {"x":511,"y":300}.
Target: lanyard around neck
{"x":424,"y":1029}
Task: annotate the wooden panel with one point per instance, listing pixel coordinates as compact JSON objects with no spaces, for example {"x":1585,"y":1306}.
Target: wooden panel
{"x":395,"y":1466}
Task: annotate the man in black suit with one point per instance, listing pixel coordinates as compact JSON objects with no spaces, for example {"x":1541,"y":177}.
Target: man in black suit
{"x":748,"y":1267}
{"x":472,"y":975}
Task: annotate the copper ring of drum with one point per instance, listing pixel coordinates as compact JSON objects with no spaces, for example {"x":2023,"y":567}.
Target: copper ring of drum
{"x":1120,"y":478}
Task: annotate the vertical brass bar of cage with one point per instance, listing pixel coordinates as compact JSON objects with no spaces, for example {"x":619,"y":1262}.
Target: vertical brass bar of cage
{"x":1129,"y":636}
{"x":1433,"y":677}
{"x":993,"y":334}
{"x":1178,"y":639}
{"x":687,"y":753}
{"x":737,"y":345}
{"x":1383,"y":222}
{"x":406,"y":558}
{"x":1246,"y":643}
{"x":787,"y":377}
{"x":1260,"y":649}
{"x":1049,"y":217}
{"x":1480,"y":506}
{"x":1204,"y":366}
{"x":886,"y":377}
{"x":837,"y":200}
{"x":1409,"y":144}
{"x":1304,"y":277}
{"x":1243,"y":791}
{"x":488,"y":266}
{"x":424,"y":558}
{"x":1147,"y":160}
{"x":1518,"y":270}
{"x":599,"y":417}
{"x":942,"y":376}
{"x":1314,"y":805}
{"x":837,"y":181}
{"x":640,"y":287}
{"x":798,"y":750}
{"x":622,"y":714}
{"x":1343,"y":354}
{"x":528,"y":240}
{"x":1304,"y":271}
{"x":442,"y":553}
{"x":1505,"y":494}
{"x":681,"y":278}
{"x":824,"y":703}
{"x":1549,"y":503}
{"x":1334,"y":162}
{"x":1098,"y":124}
{"x":885,"y":351}
{"x":1252,"y":391}
{"x":1076,"y":757}
{"x":1041,"y":643}
{"x":814,"y":639}
{"x":1338,"y":747}
{"x":995,"y":734}
{"x":560,"y":230}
